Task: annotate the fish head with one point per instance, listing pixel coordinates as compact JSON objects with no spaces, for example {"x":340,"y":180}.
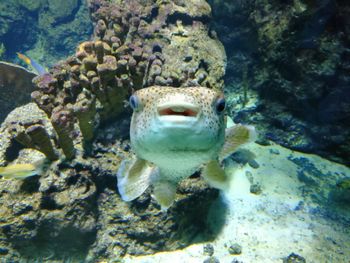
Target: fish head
{"x":168,"y":119}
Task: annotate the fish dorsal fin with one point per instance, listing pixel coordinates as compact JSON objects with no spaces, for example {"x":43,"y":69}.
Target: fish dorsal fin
{"x":214,"y":175}
{"x":235,"y":137}
{"x":134,"y":178}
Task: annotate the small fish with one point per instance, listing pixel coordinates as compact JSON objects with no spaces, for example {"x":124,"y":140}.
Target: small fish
{"x":39,"y":69}
{"x":22,"y":171}
{"x":175,"y":132}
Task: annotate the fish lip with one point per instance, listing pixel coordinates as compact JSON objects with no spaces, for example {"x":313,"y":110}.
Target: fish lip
{"x":183,"y":110}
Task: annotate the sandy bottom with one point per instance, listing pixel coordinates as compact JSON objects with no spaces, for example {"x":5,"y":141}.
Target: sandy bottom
{"x":293,"y":213}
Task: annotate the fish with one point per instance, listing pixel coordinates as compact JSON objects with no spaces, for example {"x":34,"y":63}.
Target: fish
{"x":175,"y":132}
{"x":39,"y":69}
{"x":22,"y":171}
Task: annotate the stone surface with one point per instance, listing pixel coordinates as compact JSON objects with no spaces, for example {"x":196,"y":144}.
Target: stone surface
{"x":15,"y":87}
{"x":287,"y":71}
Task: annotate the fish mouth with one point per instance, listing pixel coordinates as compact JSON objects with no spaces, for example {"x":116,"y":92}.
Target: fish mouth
{"x":184,"y":110}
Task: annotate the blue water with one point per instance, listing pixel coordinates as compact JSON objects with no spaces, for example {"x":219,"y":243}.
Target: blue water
{"x":282,"y":67}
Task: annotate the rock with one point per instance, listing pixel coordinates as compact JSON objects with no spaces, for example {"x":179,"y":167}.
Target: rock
{"x":254,"y":164}
{"x":255,"y":189}
{"x":341,"y":191}
{"x":208,"y":250}
{"x":15,"y":82}
{"x":154,"y":228}
{"x":287,"y":87}
{"x":3,"y":251}
{"x":294,"y":258}
{"x":274,"y":151}
{"x":211,"y":260}
{"x":235,"y":249}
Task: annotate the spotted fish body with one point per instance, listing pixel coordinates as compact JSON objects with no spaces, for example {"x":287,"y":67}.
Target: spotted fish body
{"x":175,"y":132}
{"x":177,"y":129}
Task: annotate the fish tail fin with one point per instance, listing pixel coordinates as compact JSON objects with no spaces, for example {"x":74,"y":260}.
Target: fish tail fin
{"x":214,"y":175}
{"x":40,"y":70}
{"x":133,"y":178}
{"x":164,"y":193}
{"x":235,"y":137}
{"x":24,"y":58}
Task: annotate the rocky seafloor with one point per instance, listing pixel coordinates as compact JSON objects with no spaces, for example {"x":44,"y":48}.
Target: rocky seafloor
{"x":289,"y":220}
{"x":78,"y":120}
{"x":288,"y":71}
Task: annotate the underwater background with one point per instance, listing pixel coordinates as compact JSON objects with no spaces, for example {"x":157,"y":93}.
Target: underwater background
{"x":284,"y":67}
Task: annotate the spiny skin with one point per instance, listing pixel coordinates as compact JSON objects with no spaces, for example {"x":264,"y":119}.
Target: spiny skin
{"x":177,"y":145}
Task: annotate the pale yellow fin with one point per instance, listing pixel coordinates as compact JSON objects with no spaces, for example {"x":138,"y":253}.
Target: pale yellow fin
{"x":229,"y":122}
{"x":164,"y":193}
{"x":134,"y":178}
{"x":214,"y":175}
{"x":235,"y":137}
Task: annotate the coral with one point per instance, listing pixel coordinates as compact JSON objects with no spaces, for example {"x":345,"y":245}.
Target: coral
{"x":41,"y":140}
{"x":63,"y":122}
{"x":85,"y":110}
{"x":30,"y":128}
{"x":132,"y":48}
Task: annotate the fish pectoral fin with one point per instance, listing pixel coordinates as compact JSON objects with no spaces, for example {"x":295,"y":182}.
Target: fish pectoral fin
{"x":235,"y":137}
{"x":164,"y":193}
{"x":134,"y":178}
{"x":215,"y":176}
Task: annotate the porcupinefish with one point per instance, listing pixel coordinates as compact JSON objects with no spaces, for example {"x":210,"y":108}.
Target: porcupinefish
{"x":174,"y":132}
{"x":22,"y":171}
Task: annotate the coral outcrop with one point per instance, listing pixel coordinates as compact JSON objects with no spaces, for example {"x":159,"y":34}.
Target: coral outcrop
{"x":289,"y":63}
{"x":78,"y":120}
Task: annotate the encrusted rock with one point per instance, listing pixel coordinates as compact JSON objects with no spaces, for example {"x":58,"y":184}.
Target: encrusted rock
{"x":107,"y":69}
{"x":63,"y":122}
{"x":41,"y":140}
{"x":85,"y":110}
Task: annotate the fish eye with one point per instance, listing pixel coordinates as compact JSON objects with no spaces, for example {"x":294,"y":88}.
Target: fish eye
{"x":220,"y":105}
{"x":134,"y":102}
